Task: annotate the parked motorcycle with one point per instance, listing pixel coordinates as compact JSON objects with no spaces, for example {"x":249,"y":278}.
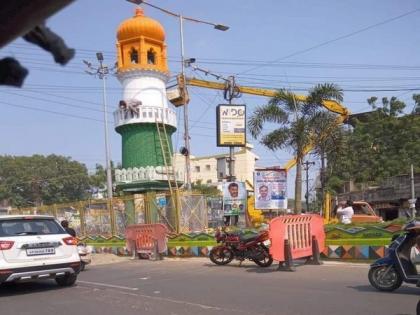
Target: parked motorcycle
{"x":388,"y":273}
{"x":240,"y":247}
{"x":85,"y":253}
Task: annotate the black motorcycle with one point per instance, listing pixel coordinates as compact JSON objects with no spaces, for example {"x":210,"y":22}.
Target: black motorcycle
{"x":388,"y":273}
{"x":236,"y":246}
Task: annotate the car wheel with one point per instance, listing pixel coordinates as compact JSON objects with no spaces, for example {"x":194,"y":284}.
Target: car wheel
{"x":67,"y":280}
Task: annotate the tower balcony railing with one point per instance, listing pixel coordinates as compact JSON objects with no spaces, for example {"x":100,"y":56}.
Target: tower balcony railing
{"x":148,"y":173}
{"x":144,"y":114}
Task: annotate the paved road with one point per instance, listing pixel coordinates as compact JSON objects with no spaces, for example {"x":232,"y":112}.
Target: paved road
{"x":195,"y":286}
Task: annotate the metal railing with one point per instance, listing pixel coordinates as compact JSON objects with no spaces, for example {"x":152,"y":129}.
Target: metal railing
{"x":142,"y":114}
{"x":105,"y":218}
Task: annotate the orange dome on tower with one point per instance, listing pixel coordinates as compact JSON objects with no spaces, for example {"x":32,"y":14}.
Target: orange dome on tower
{"x":142,"y":25}
{"x":141,"y":44}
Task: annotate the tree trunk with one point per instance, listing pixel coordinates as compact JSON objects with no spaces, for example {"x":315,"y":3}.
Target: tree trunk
{"x":298,"y":187}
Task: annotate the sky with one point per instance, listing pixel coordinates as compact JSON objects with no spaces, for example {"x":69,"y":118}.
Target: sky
{"x":368,"y":47}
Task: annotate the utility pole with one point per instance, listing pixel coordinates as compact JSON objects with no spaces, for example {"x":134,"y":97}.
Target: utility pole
{"x":186,"y":119}
{"x":413,"y":199}
{"x":230,"y":92}
{"x":102,"y":72}
{"x":231,"y":149}
{"x":306,"y":166}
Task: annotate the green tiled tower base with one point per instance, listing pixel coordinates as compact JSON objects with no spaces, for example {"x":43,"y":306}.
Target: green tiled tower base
{"x":141,"y":146}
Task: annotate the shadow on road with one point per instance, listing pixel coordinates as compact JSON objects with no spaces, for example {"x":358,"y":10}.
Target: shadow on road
{"x":250,"y":267}
{"x":12,"y":289}
{"x":403,"y":290}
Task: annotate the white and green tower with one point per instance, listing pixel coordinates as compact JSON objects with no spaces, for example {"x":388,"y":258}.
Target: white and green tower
{"x":143,"y":72}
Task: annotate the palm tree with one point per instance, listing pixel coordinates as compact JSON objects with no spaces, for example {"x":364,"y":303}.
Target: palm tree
{"x":325,"y":130}
{"x":292,"y":131}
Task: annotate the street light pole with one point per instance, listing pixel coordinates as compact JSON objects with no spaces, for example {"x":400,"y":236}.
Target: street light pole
{"x":107,"y":146}
{"x":102,"y":72}
{"x":413,"y":199}
{"x":307,"y":165}
{"x":186,"y":119}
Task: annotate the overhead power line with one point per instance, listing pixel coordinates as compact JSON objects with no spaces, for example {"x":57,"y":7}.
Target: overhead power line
{"x":364,"y":29}
{"x":57,"y":102}
{"x":51,"y":112}
{"x":78,"y":116}
{"x":250,"y":62}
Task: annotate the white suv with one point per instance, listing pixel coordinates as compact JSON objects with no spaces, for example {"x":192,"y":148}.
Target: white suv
{"x":37,"y":247}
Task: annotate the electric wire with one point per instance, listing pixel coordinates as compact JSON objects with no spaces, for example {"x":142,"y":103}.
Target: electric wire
{"x":364,"y":29}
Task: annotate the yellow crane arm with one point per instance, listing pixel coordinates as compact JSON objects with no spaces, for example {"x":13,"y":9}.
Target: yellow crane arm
{"x":330,"y":105}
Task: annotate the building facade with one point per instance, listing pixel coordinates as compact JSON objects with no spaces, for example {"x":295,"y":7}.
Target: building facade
{"x":214,"y":169}
{"x":390,"y":199}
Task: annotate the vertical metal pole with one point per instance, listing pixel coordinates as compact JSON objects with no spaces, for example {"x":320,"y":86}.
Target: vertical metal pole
{"x":231,"y":164}
{"x":306,"y":166}
{"x":186,"y":128}
{"x":231,"y":154}
{"x":413,"y":194}
{"x":107,"y":152}
{"x":82,"y":207}
{"x":107,"y":147}
{"x":307,"y":187}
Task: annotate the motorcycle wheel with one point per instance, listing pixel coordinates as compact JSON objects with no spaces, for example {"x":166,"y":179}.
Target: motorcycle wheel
{"x":266,"y":260}
{"x":221,"y":256}
{"x":390,"y":282}
{"x":82,"y":266}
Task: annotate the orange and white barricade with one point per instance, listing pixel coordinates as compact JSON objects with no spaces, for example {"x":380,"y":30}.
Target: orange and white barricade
{"x":296,"y":237}
{"x":147,"y":239}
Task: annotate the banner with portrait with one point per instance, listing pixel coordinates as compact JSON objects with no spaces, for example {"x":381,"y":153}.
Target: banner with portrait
{"x":270,"y":187}
{"x":234,"y":198}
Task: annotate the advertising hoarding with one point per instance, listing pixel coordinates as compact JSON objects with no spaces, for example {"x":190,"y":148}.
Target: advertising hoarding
{"x":234,"y":198}
{"x":270,"y":189}
{"x":231,"y":125}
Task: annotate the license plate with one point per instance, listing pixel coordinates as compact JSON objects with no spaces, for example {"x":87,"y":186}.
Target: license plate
{"x":40,"y":251}
{"x":267,"y":242}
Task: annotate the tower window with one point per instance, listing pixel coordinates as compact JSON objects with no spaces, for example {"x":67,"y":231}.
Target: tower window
{"x":134,"y":55}
{"x":151,"y":57}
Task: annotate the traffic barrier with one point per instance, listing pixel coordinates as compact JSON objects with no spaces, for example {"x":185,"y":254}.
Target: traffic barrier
{"x":296,"y":236}
{"x":147,"y":239}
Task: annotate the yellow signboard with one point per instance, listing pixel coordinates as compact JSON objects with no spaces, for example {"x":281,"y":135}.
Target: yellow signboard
{"x":231,"y":125}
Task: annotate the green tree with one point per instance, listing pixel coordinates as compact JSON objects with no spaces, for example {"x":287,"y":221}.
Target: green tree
{"x":392,"y":107}
{"x":416,"y":98}
{"x":207,"y":190}
{"x":292,"y":131}
{"x":327,"y":135}
{"x":37,"y":180}
{"x":382,"y":144}
{"x":98,"y":180}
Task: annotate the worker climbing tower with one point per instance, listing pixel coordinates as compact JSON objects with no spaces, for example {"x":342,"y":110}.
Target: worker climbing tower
{"x":143,"y":118}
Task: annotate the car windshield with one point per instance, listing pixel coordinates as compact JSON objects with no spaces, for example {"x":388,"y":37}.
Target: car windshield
{"x":22,"y":227}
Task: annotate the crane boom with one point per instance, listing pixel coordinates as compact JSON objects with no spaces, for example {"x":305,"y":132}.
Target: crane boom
{"x":330,"y":105}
